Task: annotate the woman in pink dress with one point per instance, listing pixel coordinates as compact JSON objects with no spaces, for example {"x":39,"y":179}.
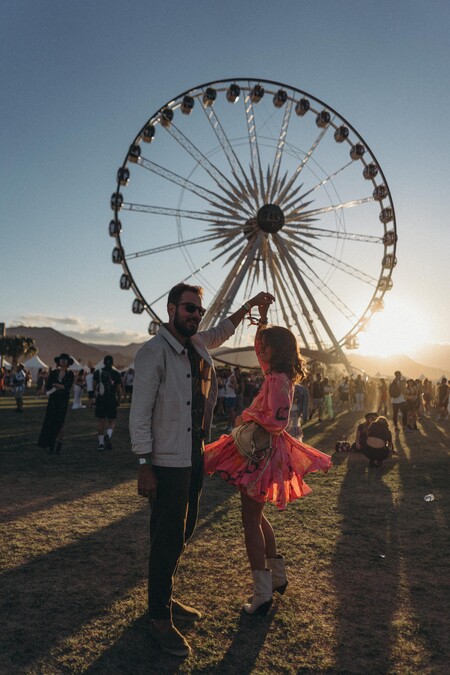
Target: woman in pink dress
{"x":278,"y":480}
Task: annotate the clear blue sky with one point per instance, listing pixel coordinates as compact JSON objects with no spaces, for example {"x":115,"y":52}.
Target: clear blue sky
{"x":79,"y":79}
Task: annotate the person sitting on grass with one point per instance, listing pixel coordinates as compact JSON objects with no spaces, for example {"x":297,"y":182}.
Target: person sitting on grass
{"x":362,"y":429}
{"x":379,"y":442}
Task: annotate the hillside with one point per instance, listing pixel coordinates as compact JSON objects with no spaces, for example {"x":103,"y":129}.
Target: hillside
{"x":435,"y":363}
{"x":51,"y":342}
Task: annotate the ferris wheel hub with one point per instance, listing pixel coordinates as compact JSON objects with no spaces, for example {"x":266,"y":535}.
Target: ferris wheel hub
{"x":270,"y":218}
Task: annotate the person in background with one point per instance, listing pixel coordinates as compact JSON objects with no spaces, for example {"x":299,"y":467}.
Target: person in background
{"x":231,"y":389}
{"x":398,"y":401}
{"x":379,"y":442}
{"x":442,"y":399}
{"x":90,"y":387}
{"x":382,"y":397}
{"x":78,"y":386}
{"x":300,"y":409}
{"x":128,"y":384}
{"x":362,"y":431}
{"x":57,"y":388}
{"x":360,"y":393}
{"x":2,"y":381}
{"x":317,"y":397}
{"x":328,"y":398}
{"x":19,"y":386}
{"x":411,"y":394}
{"x":108,"y":394}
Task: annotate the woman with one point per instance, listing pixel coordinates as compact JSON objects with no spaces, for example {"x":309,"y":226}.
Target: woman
{"x":379,"y":442}
{"x":79,"y":385}
{"x":278,"y":479}
{"x":57,"y":388}
{"x":411,"y":395}
{"x":327,"y":398}
{"x":382,"y":397}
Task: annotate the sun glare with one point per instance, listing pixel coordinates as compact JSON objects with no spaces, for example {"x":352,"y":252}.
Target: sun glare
{"x":398,"y":329}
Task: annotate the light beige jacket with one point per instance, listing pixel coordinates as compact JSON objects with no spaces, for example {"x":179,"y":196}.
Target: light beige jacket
{"x":160,"y":417}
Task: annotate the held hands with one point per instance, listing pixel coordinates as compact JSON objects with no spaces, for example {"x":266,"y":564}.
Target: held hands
{"x":146,"y":482}
{"x":263,"y":301}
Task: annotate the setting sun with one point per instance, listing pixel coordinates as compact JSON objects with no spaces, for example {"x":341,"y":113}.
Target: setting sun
{"x":399,"y":329}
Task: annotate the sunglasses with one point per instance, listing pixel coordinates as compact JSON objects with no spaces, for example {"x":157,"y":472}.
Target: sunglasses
{"x":191,"y":307}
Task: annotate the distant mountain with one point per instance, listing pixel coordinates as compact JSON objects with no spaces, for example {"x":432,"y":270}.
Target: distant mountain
{"x":433,"y":363}
{"x":385,"y":366}
{"x":434,"y":354}
{"x":51,"y":343}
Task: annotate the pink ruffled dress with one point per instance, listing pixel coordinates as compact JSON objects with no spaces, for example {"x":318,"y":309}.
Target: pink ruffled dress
{"x":281,"y":481}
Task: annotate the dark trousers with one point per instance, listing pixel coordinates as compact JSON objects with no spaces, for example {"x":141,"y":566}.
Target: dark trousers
{"x":402,"y":407}
{"x":172,"y":523}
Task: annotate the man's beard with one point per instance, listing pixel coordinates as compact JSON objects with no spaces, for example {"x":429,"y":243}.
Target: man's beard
{"x":183,"y":329}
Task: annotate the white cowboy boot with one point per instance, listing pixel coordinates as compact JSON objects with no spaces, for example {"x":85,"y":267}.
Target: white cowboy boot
{"x":279,"y":576}
{"x":262,"y":593}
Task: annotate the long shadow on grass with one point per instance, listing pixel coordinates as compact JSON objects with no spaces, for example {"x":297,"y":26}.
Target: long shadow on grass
{"x":424,"y":535}
{"x":53,"y":596}
{"x":366,"y":569}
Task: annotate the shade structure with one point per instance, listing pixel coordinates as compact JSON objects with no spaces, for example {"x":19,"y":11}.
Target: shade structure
{"x":34,"y":365}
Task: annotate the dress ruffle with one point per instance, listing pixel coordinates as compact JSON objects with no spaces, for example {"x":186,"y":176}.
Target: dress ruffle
{"x":278,"y":480}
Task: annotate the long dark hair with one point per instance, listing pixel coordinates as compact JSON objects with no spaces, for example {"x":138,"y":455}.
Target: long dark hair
{"x":286,"y":356}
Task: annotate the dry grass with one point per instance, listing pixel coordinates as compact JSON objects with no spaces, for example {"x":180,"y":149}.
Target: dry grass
{"x":368,"y":562}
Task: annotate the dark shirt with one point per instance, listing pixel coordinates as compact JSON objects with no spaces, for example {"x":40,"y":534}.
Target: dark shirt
{"x":198,"y":401}
{"x":363,"y":429}
{"x":317,"y":390}
{"x":110,"y":378}
{"x":379,"y":430}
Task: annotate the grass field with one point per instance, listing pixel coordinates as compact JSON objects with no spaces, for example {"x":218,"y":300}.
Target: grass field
{"x":368,"y":562}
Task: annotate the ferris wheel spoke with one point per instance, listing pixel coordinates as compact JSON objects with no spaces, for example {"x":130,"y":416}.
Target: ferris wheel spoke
{"x":209,"y":195}
{"x":318,"y":312}
{"x":334,"y":207}
{"x":220,"y":179}
{"x":315,"y":252}
{"x":255,"y":158}
{"x":286,"y":195}
{"x":328,"y":292}
{"x":327,"y":179}
{"x":223,"y":300}
{"x":271,"y":189}
{"x":235,"y":165}
{"x":210,"y":217}
{"x":319,"y":233}
{"x":171,"y":247}
{"x":294,"y":277}
{"x":288,"y":302}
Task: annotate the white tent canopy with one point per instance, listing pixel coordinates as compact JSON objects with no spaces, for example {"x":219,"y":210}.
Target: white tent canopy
{"x":76,"y":365}
{"x":34,"y":365}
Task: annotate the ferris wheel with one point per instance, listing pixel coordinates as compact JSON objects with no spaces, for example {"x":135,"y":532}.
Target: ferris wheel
{"x":247,"y":184}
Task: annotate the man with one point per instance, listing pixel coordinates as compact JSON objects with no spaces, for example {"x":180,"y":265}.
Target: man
{"x":361,"y":432}
{"x":108,"y":389}
{"x":360,"y":393}
{"x":175,"y":391}
{"x":300,"y":410}
{"x":317,"y":396}
{"x":398,"y":401}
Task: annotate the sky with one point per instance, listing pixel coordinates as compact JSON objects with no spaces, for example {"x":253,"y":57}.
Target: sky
{"x":80,"y":79}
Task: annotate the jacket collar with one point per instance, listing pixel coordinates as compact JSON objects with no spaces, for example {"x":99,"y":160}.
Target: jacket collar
{"x":179,"y":348}
{"x":173,"y":342}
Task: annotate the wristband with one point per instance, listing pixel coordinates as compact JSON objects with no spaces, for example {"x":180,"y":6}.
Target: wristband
{"x":247,"y":306}
{"x":144,"y":460}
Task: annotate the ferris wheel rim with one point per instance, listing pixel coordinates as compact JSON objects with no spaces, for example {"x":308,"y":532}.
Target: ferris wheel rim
{"x":378,"y":293}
